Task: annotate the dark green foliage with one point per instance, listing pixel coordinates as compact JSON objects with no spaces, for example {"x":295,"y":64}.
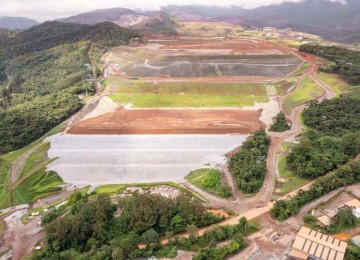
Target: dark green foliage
{"x":334,"y":117}
{"x":248,"y":166}
{"x":317,"y":154}
{"x":144,"y":212}
{"x":90,"y":230}
{"x":52,"y":34}
{"x":47,"y":66}
{"x":21,"y":124}
{"x":344,"y":175}
{"x":89,"y":225}
{"x":347,"y":62}
{"x":352,"y":252}
{"x":280,"y":124}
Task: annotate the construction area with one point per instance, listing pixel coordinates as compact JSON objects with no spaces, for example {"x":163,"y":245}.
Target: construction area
{"x":202,"y":58}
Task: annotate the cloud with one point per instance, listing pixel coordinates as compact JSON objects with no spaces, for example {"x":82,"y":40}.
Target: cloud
{"x":42,"y":10}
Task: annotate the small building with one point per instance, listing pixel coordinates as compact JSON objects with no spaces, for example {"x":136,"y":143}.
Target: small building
{"x":310,"y":244}
{"x":356,"y":212}
{"x":356,"y":240}
{"x":324,"y":221}
{"x":353,"y":204}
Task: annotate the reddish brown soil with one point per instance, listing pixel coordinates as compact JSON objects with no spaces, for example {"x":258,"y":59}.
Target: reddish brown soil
{"x":153,"y":121}
{"x":223,"y":44}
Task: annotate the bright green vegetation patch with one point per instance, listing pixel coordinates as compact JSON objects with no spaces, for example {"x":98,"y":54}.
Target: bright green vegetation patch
{"x":110,"y":189}
{"x":36,"y":157}
{"x":292,"y":182}
{"x":5,"y":199}
{"x":40,"y":184}
{"x":248,"y":166}
{"x":210,"y":181}
{"x":307,"y":91}
{"x":337,"y":85}
{"x":302,"y":69}
{"x":141,"y":94}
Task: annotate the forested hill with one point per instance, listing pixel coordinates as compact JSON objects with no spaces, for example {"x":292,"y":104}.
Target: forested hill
{"x":42,"y":72}
{"x":52,"y":34}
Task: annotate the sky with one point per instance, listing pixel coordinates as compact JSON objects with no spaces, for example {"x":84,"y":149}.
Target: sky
{"x":42,"y":10}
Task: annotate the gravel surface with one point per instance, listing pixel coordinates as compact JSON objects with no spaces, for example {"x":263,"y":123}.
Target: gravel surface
{"x":108,"y":159}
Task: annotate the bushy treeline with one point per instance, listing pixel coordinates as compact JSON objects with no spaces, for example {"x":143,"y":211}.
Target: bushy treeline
{"x":91,"y":231}
{"x":346,"y":62}
{"x":280,"y":123}
{"x":51,"y":34}
{"x":344,"y":175}
{"x":248,"y":166}
{"x":317,"y":154}
{"x":334,"y":117}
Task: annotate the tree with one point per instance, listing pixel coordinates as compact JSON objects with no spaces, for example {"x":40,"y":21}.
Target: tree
{"x":280,"y":123}
{"x":192,"y":230}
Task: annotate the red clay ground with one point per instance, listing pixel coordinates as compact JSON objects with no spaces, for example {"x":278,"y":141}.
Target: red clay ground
{"x":238,"y":46}
{"x":153,"y":121}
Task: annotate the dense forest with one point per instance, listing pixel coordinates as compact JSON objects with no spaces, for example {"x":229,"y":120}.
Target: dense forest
{"x":316,"y":154}
{"x":44,"y":71}
{"x":334,"y":117}
{"x":248,"y":166}
{"x":98,"y":229}
{"x":344,"y":62}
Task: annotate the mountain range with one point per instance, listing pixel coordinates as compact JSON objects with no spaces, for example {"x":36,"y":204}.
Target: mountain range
{"x":333,"y":20}
{"x":12,"y":23}
{"x":330,"y":19}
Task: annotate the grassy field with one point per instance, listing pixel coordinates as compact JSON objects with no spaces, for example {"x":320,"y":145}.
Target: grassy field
{"x":302,"y":69}
{"x":110,"y":189}
{"x":292,"y":182}
{"x":331,"y":80}
{"x":39,"y":184}
{"x":307,"y":91}
{"x":208,"y":29}
{"x":34,"y":160}
{"x":145,"y":95}
{"x":36,"y":157}
{"x":210,"y":181}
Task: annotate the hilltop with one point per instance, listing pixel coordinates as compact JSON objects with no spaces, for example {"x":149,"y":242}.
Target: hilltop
{"x":12,"y":23}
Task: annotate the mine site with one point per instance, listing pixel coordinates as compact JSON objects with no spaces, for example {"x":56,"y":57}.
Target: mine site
{"x":193,"y":132}
{"x":177,"y":86}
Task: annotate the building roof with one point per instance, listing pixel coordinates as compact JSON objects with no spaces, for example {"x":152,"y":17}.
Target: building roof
{"x":296,"y":254}
{"x":355,"y":203}
{"x":320,"y":245}
{"x":325,"y":220}
{"x":356,"y":238}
